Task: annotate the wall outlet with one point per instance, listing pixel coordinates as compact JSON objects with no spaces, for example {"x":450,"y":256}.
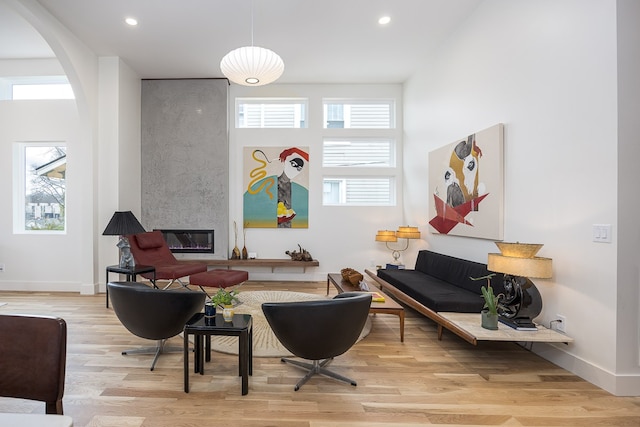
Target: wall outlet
{"x":561,"y":326}
{"x":1,"y":268}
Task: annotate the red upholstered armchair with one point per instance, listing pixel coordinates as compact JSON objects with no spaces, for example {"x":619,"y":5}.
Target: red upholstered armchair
{"x":150,"y":248}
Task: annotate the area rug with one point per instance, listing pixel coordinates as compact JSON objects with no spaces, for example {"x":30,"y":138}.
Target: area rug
{"x":265,"y":343}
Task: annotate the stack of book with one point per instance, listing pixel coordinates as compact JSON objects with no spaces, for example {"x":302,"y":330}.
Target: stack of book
{"x":377,"y":297}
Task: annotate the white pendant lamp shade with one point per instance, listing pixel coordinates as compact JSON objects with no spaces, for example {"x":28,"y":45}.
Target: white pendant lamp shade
{"x":252,"y":66}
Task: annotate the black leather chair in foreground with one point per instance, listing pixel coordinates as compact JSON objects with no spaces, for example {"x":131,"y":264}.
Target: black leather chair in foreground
{"x":154,"y":314}
{"x":33,"y":355}
{"x":319,"y":330}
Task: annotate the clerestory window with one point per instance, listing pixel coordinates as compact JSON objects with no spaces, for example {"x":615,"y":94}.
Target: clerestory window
{"x":271,"y":113}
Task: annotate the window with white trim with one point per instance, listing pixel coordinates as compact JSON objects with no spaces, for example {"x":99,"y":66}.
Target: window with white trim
{"x":271,"y":113}
{"x":358,"y":152}
{"x":358,"y":191}
{"x":359,"y":114}
{"x":359,"y":170}
{"x":40,"y":187}
{"x":35,"y":88}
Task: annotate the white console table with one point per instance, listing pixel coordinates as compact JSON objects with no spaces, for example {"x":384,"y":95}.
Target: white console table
{"x":467,"y":326}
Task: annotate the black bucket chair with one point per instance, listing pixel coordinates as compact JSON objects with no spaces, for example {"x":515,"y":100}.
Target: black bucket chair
{"x":319,"y":330}
{"x":154,"y":314}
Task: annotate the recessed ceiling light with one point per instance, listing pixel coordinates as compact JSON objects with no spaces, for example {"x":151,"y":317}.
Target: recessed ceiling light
{"x":131,"y":21}
{"x":384,"y":20}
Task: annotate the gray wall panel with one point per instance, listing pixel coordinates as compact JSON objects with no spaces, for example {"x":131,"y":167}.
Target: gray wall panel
{"x":185,"y":157}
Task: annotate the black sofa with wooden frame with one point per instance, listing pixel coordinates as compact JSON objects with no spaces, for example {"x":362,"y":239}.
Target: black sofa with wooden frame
{"x":439,"y":283}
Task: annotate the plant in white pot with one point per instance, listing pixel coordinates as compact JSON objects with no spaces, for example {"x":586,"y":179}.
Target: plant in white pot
{"x":225,"y":299}
{"x":489,"y":313}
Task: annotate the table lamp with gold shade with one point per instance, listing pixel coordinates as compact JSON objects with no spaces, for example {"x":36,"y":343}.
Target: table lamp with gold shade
{"x":522,"y":301}
{"x":404,"y":232}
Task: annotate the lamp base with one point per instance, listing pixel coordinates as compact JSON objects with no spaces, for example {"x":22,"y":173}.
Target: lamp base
{"x":521,"y":302}
{"x":519,"y":323}
{"x":126,"y":257}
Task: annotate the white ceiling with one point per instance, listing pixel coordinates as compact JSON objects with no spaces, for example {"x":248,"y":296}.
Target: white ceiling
{"x":322,"y":41}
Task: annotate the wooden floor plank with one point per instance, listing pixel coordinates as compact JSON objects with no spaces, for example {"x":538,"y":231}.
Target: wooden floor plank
{"x":421,"y":381}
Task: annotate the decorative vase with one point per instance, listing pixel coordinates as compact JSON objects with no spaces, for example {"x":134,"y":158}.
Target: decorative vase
{"x":489,"y":320}
{"x":245,"y":254}
{"x":227,"y":313}
{"x":235,"y":254}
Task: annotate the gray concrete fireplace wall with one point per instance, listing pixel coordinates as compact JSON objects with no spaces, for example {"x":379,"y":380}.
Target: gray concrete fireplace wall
{"x":185,"y":157}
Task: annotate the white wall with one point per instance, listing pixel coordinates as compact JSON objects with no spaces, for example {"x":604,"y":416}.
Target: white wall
{"x":547,"y":70}
{"x":80,"y":65}
{"x":337,"y":236}
{"x":628,"y":296}
{"x":29,"y":259}
{"x":119,"y":159}
{"x":97,"y":184}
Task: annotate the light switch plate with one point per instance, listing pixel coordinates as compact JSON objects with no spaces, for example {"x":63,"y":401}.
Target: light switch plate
{"x":602,"y":233}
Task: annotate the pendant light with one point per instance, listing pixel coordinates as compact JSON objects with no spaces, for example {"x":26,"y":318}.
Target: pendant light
{"x":252,"y":65}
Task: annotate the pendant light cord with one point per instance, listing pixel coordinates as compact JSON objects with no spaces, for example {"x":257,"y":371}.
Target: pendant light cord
{"x":252,"y":23}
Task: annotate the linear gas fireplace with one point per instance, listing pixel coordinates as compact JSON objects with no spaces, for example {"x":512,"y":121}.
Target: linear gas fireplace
{"x":189,"y":241}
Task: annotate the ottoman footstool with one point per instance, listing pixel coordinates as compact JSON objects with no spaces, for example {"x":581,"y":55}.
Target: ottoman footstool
{"x":218,"y":278}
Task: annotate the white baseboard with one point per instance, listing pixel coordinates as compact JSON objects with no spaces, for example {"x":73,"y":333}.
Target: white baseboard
{"x":84,"y":289}
{"x":89,"y":289}
{"x":40,"y":286}
{"x":618,"y":385}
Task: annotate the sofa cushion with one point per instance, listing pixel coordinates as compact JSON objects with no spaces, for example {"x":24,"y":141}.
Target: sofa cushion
{"x":434,"y":293}
{"x":457,"y":271}
{"x":219,"y":278}
{"x":443,"y":283}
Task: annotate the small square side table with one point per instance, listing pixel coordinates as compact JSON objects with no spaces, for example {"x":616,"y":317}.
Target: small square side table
{"x":203,"y":328}
{"x":130,"y":273}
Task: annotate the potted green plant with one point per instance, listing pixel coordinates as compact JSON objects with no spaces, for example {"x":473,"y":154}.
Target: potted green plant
{"x":225,"y":299}
{"x":489,"y":313}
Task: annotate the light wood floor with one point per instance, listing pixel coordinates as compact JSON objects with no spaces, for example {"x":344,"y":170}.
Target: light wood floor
{"x":422,"y":381}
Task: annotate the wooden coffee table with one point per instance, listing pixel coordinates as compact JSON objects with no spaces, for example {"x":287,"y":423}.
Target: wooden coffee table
{"x":389,"y":306}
